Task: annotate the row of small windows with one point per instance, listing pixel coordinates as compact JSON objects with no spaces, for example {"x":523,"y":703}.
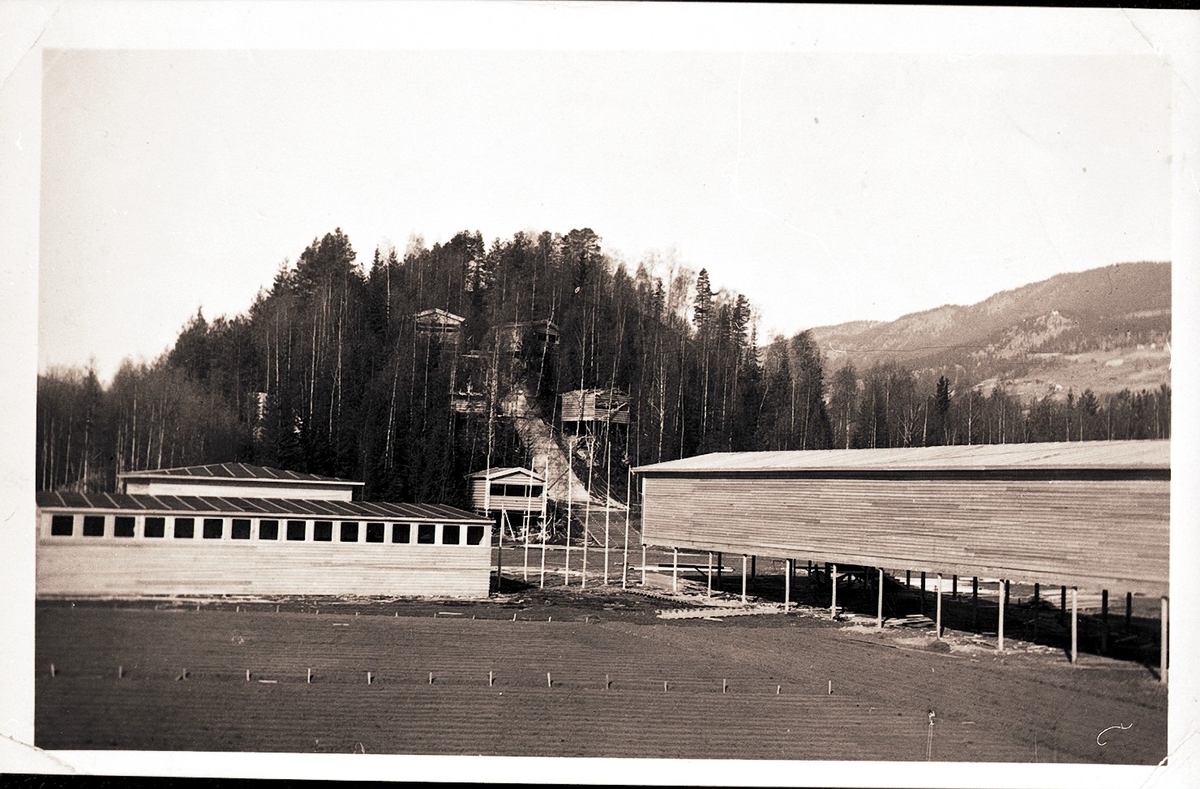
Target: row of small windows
{"x":515,"y":491}
{"x":295,"y":531}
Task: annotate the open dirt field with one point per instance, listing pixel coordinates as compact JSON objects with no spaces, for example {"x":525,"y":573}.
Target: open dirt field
{"x":622,"y":683}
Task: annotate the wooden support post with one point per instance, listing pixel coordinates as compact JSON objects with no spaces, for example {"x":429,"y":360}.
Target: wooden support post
{"x":1000,"y":623}
{"x":542,"y":571}
{"x":1103,"y":621}
{"x":1128,"y":611}
{"x":743,"y":579}
{"x":1162,"y":649}
{"x":954,"y":588}
{"x":975,"y":602}
{"x":787,"y":587}
{"x":938,"y":622}
{"x":710,"y":569}
{"x":922,"y":593}
{"x":879,"y":608}
{"x":587,"y":517}
{"x":1037,"y":608}
{"x":674,"y":569}
{"x":643,"y":564}
{"x":833,"y":592}
{"x":1074,"y":624}
{"x":625,"y":550}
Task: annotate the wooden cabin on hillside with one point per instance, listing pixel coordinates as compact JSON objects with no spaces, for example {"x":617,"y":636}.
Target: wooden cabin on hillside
{"x":436,"y":322}
{"x":595,"y":406}
{"x":527,"y":336}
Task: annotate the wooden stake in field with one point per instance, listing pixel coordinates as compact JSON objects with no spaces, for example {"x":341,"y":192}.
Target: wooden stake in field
{"x":309,"y":679}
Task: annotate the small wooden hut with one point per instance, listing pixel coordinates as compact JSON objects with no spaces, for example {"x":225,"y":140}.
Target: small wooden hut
{"x":595,"y":406}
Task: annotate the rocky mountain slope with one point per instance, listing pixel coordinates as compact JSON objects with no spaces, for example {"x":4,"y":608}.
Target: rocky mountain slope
{"x":1106,"y":329}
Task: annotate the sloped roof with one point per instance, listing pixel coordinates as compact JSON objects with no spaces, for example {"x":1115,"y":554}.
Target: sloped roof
{"x":1057,"y":456}
{"x":445,"y":316}
{"x":507,"y":471}
{"x":234,"y":471}
{"x":253,"y":507}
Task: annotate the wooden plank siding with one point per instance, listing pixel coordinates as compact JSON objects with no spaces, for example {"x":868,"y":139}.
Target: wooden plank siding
{"x":137,"y":565}
{"x":1093,"y":533}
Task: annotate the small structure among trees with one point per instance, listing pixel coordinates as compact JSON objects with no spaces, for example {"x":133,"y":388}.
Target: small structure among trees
{"x":436,"y":322}
{"x":509,"y":490}
{"x":590,"y":406}
{"x":527,"y":336}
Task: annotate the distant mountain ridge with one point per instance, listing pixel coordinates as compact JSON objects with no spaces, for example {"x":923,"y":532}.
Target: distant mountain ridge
{"x":1106,"y":328}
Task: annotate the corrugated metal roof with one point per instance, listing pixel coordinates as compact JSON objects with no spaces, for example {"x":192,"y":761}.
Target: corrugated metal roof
{"x":233,"y":471}
{"x":228,"y":505}
{"x":507,"y":471}
{"x":984,"y":457}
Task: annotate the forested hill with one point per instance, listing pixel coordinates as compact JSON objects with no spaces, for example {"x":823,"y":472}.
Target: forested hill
{"x":406,"y":372}
{"x":327,"y":372}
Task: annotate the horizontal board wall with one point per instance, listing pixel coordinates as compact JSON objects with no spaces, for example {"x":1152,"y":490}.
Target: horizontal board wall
{"x":110,"y":566}
{"x":1111,"y":534}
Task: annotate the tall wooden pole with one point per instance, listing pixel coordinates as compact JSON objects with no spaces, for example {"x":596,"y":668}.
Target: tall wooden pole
{"x":525,"y":525}
{"x":625,"y":551}
{"x":743,"y":579}
{"x":922,"y":593}
{"x":570,"y":499}
{"x":500,"y":551}
{"x":643,"y":564}
{"x":710,"y":569}
{"x":608,"y":497}
{"x":545,"y":526}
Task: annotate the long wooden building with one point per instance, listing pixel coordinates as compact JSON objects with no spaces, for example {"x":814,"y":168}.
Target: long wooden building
{"x":252,"y":530}
{"x":1092,"y":515}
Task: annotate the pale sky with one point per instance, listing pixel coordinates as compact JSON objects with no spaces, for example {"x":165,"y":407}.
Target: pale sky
{"x":827,"y":187}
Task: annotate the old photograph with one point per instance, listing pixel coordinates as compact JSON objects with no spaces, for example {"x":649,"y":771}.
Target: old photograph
{"x":631,"y":392}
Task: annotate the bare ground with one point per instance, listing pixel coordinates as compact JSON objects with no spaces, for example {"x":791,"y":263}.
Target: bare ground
{"x":623,"y":682}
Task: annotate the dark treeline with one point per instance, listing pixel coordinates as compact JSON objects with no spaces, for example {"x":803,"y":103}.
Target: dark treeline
{"x":328,"y":373}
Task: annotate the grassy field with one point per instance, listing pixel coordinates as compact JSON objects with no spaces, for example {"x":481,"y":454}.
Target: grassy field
{"x":623,"y":683}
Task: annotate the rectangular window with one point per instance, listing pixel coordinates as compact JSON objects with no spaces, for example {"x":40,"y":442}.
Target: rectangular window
{"x":62,"y":525}
{"x":450,"y":534}
{"x":214,"y":528}
{"x":296,"y":530}
{"x":154,"y":527}
{"x":185,"y":528}
{"x":240,"y":529}
{"x":268,"y":530}
{"x":93,"y":525}
{"x":374,"y":532}
{"x":474,"y":535}
{"x":498,"y":489}
{"x":401,"y":532}
{"x":349,"y":531}
{"x":123,"y":526}
{"x":323,"y":531}
{"x":425,"y":533}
